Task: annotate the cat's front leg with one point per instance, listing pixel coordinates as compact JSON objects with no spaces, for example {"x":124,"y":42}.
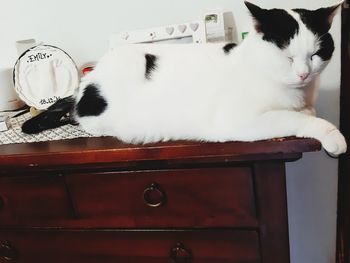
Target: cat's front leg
{"x":331,"y":138}
{"x":288,"y":123}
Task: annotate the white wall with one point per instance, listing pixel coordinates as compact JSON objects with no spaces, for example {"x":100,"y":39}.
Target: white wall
{"x":82,"y":28}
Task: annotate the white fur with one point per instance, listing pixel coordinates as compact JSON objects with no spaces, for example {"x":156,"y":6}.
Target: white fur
{"x":198,"y":92}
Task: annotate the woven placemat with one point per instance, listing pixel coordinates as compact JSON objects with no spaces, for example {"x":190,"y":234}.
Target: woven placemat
{"x":15,"y":134}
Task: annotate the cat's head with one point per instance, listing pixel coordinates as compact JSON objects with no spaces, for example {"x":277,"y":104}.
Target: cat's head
{"x":300,"y":38}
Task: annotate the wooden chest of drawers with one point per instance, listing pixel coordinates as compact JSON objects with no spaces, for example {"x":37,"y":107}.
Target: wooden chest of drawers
{"x":97,"y":200}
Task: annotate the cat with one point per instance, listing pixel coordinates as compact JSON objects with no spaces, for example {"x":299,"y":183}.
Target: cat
{"x":261,"y":89}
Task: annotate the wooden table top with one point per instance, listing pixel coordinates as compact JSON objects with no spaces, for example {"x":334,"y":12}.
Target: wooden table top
{"x":103,"y":150}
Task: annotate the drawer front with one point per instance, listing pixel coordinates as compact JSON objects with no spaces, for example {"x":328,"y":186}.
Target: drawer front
{"x":222,"y":197}
{"x":30,"y":200}
{"x":129,"y":246}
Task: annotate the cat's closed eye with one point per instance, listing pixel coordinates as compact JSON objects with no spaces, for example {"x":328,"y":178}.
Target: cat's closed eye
{"x":314,"y":54}
{"x":291,"y":59}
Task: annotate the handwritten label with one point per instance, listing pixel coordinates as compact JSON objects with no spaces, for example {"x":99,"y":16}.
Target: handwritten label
{"x":38,"y":57}
{"x":49,"y":100}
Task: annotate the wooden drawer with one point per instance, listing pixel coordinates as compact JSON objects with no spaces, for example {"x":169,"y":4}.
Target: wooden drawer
{"x":32,"y":199}
{"x":220,"y":197}
{"x":129,"y":246}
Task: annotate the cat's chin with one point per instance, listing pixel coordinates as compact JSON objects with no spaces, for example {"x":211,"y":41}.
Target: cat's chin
{"x":299,"y":84}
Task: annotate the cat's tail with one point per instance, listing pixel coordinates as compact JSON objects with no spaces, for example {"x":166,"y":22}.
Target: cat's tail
{"x":55,"y":116}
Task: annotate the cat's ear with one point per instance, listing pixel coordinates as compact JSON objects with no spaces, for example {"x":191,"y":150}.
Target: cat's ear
{"x":275,"y":25}
{"x":320,"y":20}
{"x":330,"y":12}
{"x":257,"y":13}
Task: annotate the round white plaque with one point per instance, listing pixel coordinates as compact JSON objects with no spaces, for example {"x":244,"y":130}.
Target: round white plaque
{"x":43,"y":75}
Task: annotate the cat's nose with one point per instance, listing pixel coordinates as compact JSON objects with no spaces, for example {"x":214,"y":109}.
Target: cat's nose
{"x":304,"y":76}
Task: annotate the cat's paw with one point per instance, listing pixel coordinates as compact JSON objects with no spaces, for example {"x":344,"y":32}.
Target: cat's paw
{"x":334,"y":143}
{"x":309,"y":111}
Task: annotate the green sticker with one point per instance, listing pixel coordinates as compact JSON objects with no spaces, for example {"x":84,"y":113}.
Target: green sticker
{"x":244,"y":34}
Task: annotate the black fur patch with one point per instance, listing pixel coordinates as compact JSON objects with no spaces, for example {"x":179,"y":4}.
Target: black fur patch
{"x":151,"y":65}
{"x":228,"y":47}
{"x":53,"y":117}
{"x":326,"y":47}
{"x":276,"y":25}
{"x":91,"y":103}
{"x":318,"y":20}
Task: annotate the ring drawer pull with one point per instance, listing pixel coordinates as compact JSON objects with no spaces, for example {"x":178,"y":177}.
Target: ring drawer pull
{"x":2,"y":203}
{"x":180,"y":253}
{"x":7,"y":251}
{"x":154,"y":196}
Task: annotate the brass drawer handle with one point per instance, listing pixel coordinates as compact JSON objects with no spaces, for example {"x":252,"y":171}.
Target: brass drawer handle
{"x":180,"y":253}
{"x":154,"y":196}
{"x":7,"y":251}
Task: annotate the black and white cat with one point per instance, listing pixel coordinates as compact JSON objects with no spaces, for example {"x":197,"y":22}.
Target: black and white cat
{"x":261,"y":89}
